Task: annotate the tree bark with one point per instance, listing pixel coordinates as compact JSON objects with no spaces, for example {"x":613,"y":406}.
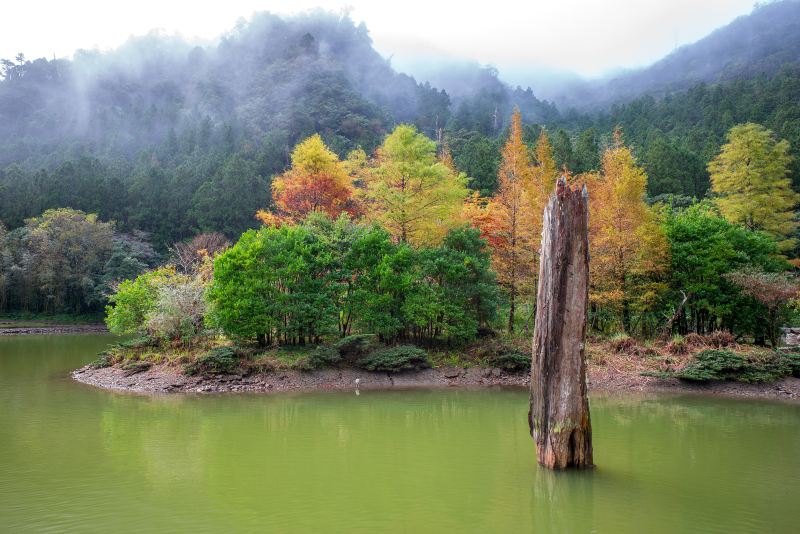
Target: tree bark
{"x":559,"y":407}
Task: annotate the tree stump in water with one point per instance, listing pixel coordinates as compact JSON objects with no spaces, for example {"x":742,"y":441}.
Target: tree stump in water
{"x":559,"y":407}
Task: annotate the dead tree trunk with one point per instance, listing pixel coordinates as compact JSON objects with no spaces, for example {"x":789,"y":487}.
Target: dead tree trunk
{"x":559,"y":407}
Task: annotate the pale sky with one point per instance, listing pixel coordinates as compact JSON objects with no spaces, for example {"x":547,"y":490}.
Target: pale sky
{"x":589,"y":37}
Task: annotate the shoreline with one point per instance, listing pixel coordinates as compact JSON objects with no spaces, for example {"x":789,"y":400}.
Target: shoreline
{"x":167,"y":380}
{"x":85,"y":328}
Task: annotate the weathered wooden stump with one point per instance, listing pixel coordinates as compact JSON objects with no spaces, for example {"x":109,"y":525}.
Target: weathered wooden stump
{"x":559,"y":412}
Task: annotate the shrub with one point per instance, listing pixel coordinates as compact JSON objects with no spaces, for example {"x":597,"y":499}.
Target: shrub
{"x":725,"y":365}
{"x":793,"y":362}
{"x":319,"y":358}
{"x":678,"y":345}
{"x":623,"y":343}
{"x":357,"y":346}
{"x":513,"y":361}
{"x":395,"y":359}
{"x":222,"y":360}
{"x":133,"y":300}
{"x":720,"y":339}
{"x":103,"y":360}
{"x":136,"y":343}
{"x":178,"y":311}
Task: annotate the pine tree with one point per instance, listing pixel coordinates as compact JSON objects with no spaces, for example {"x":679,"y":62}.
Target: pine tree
{"x":750,"y":175}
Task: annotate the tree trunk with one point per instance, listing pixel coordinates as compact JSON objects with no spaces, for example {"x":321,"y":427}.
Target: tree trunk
{"x":559,"y":407}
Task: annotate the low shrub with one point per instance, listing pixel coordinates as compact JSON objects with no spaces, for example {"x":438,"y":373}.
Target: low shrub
{"x":793,"y":359}
{"x":711,"y":365}
{"x":140,"y":342}
{"x":512,"y":361}
{"x":319,"y":358}
{"x":356,"y":346}
{"x":222,"y":360}
{"x":720,"y":339}
{"x":624,"y":344}
{"x":395,"y":359}
{"x":104,"y":359}
{"x":677,"y":345}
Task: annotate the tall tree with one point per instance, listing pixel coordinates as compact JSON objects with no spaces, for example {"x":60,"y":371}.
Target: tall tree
{"x":411,"y":193}
{"x":628,"y":246}
{"x":511,"y":221}
{"x":751,"y":177}
{"x":545,"y":173}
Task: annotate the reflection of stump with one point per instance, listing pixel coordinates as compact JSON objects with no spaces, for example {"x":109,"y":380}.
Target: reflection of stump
{"x":559,"y":413}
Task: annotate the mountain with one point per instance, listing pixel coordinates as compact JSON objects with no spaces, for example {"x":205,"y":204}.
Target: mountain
{"x":756,"y":44}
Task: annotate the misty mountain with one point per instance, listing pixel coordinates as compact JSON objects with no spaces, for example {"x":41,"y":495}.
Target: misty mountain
{"x":312,"y":73}
{"x":282,"y":78}
{"x":756,"y":44}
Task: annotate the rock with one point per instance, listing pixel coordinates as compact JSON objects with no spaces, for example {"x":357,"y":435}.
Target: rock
{"x":452,"y":373}
{"x":496,"y":372}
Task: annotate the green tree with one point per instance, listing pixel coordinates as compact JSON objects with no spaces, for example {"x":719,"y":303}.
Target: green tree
{"x":412,"y":194}
{"x":133,"y":301}
{"x":704,"y":248}
{"x":751,"y":177}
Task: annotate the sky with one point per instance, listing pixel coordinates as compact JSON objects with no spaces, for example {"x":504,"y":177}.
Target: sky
{"x":588,"y":37}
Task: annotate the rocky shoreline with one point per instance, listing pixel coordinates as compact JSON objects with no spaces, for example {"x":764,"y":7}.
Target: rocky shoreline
{"x":98,"y":328}
{"x":166,"y":379}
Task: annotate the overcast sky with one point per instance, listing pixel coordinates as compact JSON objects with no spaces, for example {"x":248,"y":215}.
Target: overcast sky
{"x":589,"y":37}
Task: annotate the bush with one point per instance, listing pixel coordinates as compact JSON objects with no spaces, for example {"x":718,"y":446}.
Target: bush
{"x":319,"y":358}
{"x":794,"y":362}
{"x":623,"y":343}
{"x":357,"y":346}
{"x":178,"y":311}
{"x":513,"y":361}
{"x":133,"y":300}
{"x":720,"y":339}
{"x":725,"y":365}
{"x":396,"y":359}
{"x":103,"y":360}
{"x":678,"y":345}
{"x":136,"y":343}
{"x":219,"y":361}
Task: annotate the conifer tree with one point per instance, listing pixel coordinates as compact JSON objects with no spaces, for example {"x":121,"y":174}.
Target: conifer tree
{"x":412,"y":194}
{"x":511,"y":221}
{"x":750,"y":175}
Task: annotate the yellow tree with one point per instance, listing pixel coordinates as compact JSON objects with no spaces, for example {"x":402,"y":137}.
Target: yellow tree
{"x":545,"y":172}
{"x":510,"y":221}
{"x":317,"y":181}
{"x":412,"y":194}
{"x":750,"y":175}
{"x":627,"y":245}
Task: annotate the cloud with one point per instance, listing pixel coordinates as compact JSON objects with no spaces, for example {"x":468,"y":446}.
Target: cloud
{"x":584,"y":36}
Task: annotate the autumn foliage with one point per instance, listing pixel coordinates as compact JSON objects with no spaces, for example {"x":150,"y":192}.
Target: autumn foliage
{"x":511,"y":220}
{"x":627,"y":244}
{"x":317,"y":181}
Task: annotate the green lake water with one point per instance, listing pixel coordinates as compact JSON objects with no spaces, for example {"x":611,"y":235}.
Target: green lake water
{"x":78,"y":459}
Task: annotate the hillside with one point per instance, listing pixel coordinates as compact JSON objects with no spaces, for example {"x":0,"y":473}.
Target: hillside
{"x":756,"y":44}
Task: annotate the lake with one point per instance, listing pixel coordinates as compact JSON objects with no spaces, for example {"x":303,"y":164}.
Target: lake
{"x":78,"y":459}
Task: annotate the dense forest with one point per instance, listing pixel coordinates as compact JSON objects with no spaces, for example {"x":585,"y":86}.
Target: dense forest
{"x":162,"y":142}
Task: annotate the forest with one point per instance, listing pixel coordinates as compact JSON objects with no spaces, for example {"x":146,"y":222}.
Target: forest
{"x":115,"y":164}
